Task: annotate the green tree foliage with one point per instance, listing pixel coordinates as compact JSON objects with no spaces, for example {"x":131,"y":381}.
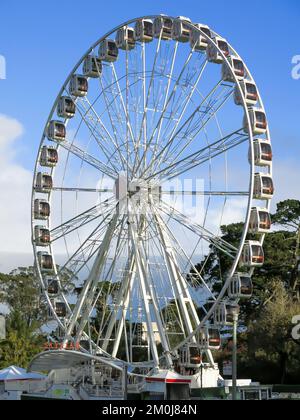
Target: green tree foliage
{"x":216,"y":265}
{"x":269,"y":337}
{"x":20,"y":293}
{"x":23,"y":341}
{"x":288,"y":216}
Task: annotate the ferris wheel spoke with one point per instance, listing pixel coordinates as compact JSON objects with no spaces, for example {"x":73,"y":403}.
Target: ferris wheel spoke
{"x":107,"y":306}
{"x":87,"y":247}
{"x":144,"y":122}
{"x":116,"y":121}
{"x":108,"y":278}
{"x":82,"y":308}
{"x":115,"y":131}
{"x":189,"y":261}
{"x":121,"y":307}
{"x":88,"y":116}
{"x":170,"y":76}
{"x":108,"y":154}
{"x":125,"y":108}
{"x":145,"y":111}
{"x":79,"y":221}
{"x":87,"y":109}
{"x":85,"y":335}
{"x":185,"y":106}
{"x":207,"y":193}
{"x":76,"y":265}
{"x":182,"y":105}
{"x":175,"y":150}
{"x":104,"y":134}
{"x":170,"y":136}
{"x":149,"y":142}
{"x":153,"y":286}
{"x":158,"y":249}
{"x":203,"y":155}
{"x":80,"y":189}
{"x":149,"y":297}
{"x":217,"y":242}
{"x":89,"y":159}
{"x":202,"y":116}
{"x":179,"y":285}
{"x":191,"y":134}
{"x":121,"y":304}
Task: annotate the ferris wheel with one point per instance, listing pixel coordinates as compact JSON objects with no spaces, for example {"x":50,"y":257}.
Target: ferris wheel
{"x":156,"y":140}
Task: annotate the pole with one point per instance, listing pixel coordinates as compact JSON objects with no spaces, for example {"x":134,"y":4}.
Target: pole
{"x":234,"y":358}
{"x":125,"y":382}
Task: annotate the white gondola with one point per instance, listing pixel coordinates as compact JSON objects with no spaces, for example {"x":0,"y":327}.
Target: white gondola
{"x":41,"y":236}
{"x":250,"y":93}
{"x":163,"y":27}
{"x":92,"y":67}
{"x":233,"y":65}
{"x":52,"y":286}
{"x":144,"y":30}
{"x":252,"y":255}
{"x":78,"y":86}
{"x":48,"y":157}
{"x":241,"y":286}
{"x":125,"y":38}
{"x":60,"y":308}
{"x":258,"y":120}
{"x":260,"y":221}
{"x":44,"y":183}
{"x":199,"y":42}
{"x":41,"y":210}
{"x":45,"y":262}
{"x":263,"y":186}
{"x":56,"y":131}
{"x":108,"y":51}
{"x":224,"y":314}
{"x":181,"y":29}
{"x":210,"y":338}
{"x":213,"y":54}
{"x":263,"y":155}
{"x":190,"y":356}
{"x":66,"y":107}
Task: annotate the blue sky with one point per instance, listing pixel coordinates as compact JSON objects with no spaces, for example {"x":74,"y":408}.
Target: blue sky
{"x":39,"y":55}
{"x":41,"y":41}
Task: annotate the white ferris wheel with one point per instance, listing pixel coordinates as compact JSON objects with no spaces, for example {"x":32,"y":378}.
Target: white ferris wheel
{"x":157,"y":138}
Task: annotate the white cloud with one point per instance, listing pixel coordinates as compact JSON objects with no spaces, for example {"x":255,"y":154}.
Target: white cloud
{"x":15,"y":190}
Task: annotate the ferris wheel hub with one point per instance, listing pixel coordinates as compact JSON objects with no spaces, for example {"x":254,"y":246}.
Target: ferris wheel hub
{"x":136,"y":192}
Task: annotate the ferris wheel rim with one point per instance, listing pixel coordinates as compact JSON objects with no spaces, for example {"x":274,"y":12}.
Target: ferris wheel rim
{"x":251,"y":136}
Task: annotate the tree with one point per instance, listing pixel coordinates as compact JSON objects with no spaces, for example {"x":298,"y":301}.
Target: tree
{"x":216,"y":265}
{"x":270,"y":336}
{"x":22,"y":343}
{"x":288,"y":216}
{"x":21,"y":292}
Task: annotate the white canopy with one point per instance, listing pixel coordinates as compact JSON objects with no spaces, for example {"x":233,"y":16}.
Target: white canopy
{"x":14,"y":373}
